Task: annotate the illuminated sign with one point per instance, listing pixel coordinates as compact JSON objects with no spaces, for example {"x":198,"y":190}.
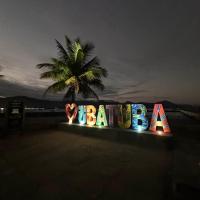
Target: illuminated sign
{"x":139,"y":120}
{"x":127,"y":116}
{"x":158,"y":111}
{"x":82,"y":115}
{"x":124,"y":116}
{"x":71,"y":112}
{"x":91,"y":115}
{"x":101,"y":117}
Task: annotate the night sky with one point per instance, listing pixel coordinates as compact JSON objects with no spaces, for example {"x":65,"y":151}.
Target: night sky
{"x":151,"y":49}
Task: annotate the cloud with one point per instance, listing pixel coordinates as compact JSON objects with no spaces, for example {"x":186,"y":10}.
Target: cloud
{"x":155,"y":53}
{"x":123,"y":91}
{"x":8,"y":88}
{"x":131,"y":93}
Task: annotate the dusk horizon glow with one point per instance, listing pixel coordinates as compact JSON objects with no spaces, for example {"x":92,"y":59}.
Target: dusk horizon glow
{"x":150,"y":48}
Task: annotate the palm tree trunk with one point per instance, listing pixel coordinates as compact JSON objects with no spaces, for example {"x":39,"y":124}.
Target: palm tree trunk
{"x":73,"y":96}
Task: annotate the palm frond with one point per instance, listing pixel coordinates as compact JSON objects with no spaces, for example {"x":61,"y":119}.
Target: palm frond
{"x":57,"y":61}
{"x":77,"y":40}
{"x":55,"y":75}
{"x":56,"y":87}
{"x":92,"y":63}
{"x":68,"y":44}
{"x":76,"y":47}
{"x":46,"y":65}
{"x":88,"y":75}
{"x":80,"y":57}
{"x":59,"y":64}
{"x":87,"y":92}
{"x":58,"y":70}
{"x":71,"y":80}
{"x":61,"y":50}
{"x":97,"y":83}
{"x":88,"y":48}
{"x":99,"y":71}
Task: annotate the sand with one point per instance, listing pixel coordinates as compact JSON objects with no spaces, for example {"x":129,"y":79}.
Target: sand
{"x":54,"y":164}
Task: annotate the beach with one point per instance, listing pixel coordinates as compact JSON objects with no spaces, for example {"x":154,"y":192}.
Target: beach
{"x":55,"y":164}
{"x":45,"y":161}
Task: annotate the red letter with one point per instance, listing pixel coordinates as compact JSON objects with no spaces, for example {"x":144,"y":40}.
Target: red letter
{"x":69,"y":108}
{"x":159,"y":111}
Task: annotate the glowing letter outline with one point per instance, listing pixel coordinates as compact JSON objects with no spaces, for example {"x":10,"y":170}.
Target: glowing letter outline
{"x":124,"y":116}
{"x":91,"y":117}
{"x":136,"y":117}
{"x":82,"y":115}
{"x":101,"y":117}
{"x":159,"y":111}
{"x":68,"y":109}
{"x":111,"y":114}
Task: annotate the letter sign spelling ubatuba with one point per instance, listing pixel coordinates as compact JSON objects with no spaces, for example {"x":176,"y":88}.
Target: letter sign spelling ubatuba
{"x":124,"y":116}
{"x":101,"y":117}
{"x":71,"y":112}
{"x":82,"y":115}
{"x":139,"y":117}
{"x":91,"y":115}
{"x":111,"y":114}
{"x":159,"y":111}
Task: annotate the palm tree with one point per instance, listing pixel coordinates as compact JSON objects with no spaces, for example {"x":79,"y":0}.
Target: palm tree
{"x":74,"y":71}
